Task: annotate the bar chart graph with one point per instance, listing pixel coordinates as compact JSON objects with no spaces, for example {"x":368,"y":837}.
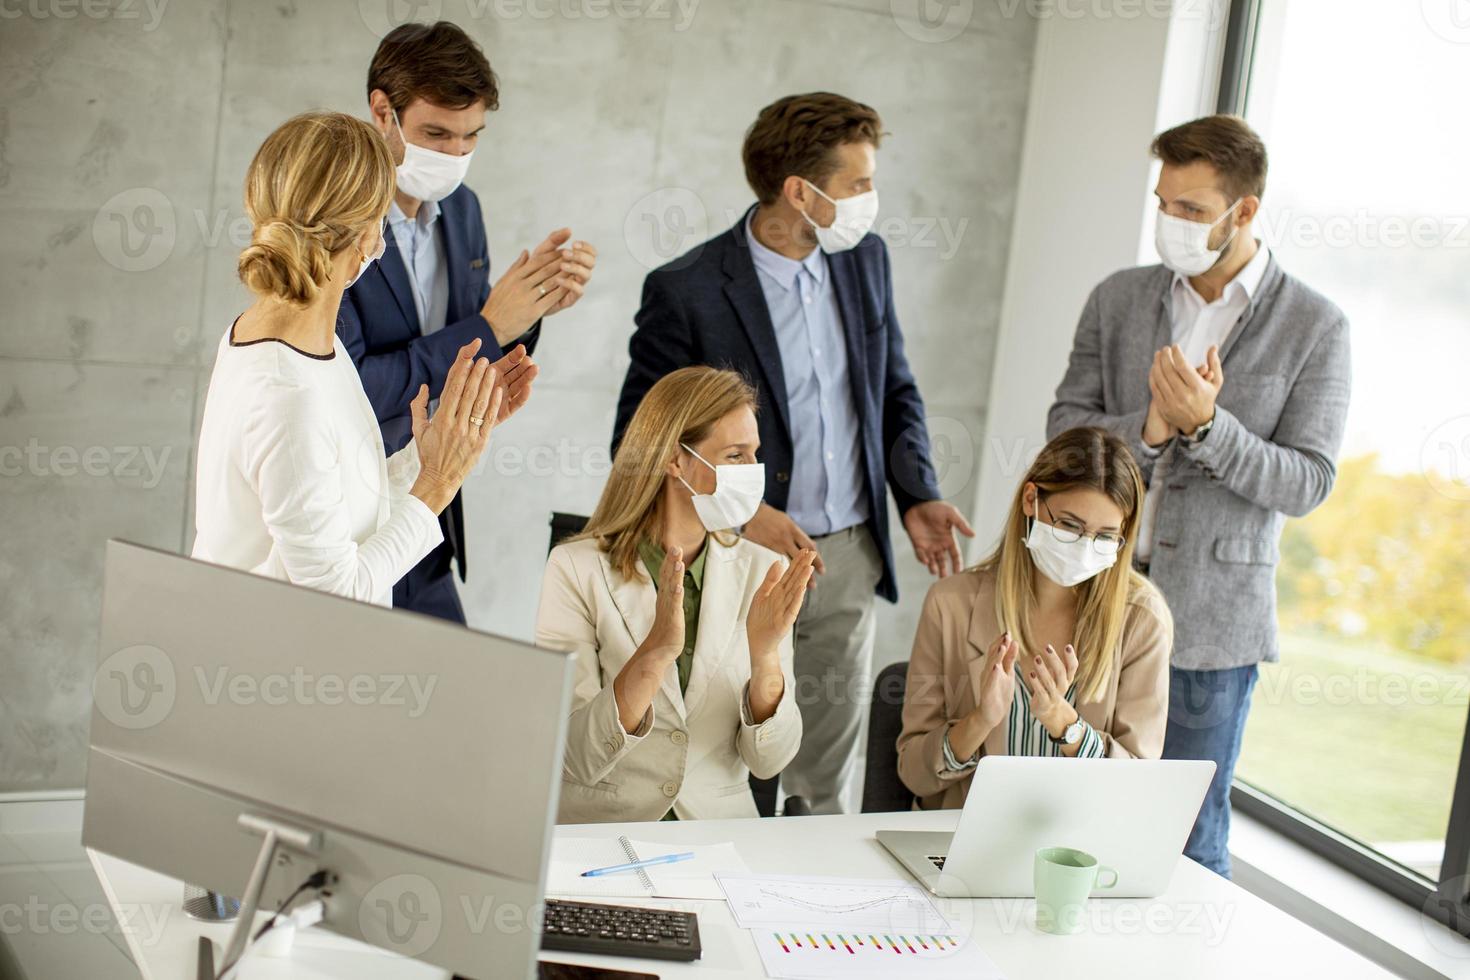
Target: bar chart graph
{"x":808,"y":954}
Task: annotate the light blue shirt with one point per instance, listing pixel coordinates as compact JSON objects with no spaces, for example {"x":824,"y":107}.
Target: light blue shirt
{"x":827,"y":491}
{"x":422,"y":249}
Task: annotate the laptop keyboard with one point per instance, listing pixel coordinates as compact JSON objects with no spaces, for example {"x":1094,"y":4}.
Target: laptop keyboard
{"x":937,"y":860}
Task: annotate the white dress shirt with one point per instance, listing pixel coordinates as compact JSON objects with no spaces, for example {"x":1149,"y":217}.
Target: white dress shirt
{"x":291,"y":479}
{"x":1198,"y":326}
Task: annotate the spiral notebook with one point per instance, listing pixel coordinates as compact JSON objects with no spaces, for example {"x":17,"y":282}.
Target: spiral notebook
{"x":694,"y":878}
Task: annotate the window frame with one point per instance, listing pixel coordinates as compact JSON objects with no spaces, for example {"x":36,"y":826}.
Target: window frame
{"x":1447,"y":900}
{"x":1238,"y":56}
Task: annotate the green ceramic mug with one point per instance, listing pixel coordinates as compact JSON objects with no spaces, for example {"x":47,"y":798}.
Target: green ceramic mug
{"x":1065,"y":877}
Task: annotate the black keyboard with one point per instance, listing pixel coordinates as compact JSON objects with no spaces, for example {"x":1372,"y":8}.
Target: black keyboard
{"x":620,"y":930}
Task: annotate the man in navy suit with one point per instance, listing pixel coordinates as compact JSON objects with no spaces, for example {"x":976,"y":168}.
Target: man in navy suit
{"x":405,"y":319}
{"x":798,"y":297}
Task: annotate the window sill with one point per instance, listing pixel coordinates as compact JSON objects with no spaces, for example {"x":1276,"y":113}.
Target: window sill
{"x":1342,"y":906}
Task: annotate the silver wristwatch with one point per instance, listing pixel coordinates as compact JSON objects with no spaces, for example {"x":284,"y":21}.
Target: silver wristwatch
{"x":1072,"y":734}
{"x":1198,"y":435}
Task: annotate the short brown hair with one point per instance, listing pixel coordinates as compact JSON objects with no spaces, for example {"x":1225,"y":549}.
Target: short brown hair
{"x":438,"y":63}
{"x":797,"y":134}
{"x":1226,"y":143}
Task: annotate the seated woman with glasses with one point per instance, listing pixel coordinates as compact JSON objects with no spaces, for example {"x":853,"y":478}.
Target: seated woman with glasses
{"x":1052,"y":646}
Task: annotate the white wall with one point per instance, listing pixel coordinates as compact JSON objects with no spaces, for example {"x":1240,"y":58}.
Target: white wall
{"x":1102,"y":84}
{"x":123,"y":141}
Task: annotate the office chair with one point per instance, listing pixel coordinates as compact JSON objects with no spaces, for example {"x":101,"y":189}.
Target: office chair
{"x":764,"y":791}
{"x":883,"y":791}
{"x":9,"y":964}
{"x":563,"y":526}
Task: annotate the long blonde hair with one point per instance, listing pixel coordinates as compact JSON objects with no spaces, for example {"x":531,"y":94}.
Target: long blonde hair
{"x":314,"y":186}
{"x":1086,"y":458}
{"x":681,"y":408}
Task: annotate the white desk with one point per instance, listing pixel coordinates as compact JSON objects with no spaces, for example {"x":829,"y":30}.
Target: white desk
{"x":1203,"y":927}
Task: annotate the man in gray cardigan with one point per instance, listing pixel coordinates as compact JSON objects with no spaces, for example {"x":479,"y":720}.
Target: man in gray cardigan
{"x":1230,"y":381}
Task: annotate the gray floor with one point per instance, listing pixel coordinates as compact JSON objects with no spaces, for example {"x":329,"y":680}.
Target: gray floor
{"x":55,"y":921}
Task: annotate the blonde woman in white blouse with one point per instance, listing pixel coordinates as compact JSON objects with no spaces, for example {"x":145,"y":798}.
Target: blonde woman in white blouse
{"x":291,"y":479}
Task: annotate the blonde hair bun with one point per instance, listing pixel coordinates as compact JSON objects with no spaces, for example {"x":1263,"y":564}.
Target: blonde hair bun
{"x":313,"y":188}
{"x":284,"y":261}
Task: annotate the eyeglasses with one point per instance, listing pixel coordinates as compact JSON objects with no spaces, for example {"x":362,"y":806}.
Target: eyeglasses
{"x":1068,"y":531}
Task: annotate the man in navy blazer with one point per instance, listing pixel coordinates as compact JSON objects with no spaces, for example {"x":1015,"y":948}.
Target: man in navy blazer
{"x":405,"y":319}
{"x":798,"y":297}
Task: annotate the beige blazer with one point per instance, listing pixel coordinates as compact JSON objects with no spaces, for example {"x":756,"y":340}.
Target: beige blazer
{"x":956,"y":628}
{"x":693,"y":752}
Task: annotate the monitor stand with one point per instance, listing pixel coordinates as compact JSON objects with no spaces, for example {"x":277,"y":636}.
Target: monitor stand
{"x":276,"y":835}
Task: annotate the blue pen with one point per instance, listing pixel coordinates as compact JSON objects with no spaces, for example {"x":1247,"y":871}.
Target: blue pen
{"x":635,"y":865}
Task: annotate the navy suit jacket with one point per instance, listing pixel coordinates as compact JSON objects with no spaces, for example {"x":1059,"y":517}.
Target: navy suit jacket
{"x":707,"y":307}
{"x":379,"y":327}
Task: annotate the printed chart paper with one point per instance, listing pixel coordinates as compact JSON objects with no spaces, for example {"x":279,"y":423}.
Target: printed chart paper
{"x":810,"y":954}
{"x":851,"y":904}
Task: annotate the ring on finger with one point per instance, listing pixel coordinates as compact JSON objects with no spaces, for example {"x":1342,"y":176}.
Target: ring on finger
{"x":476,"y":421}
{"x":541,"y":290}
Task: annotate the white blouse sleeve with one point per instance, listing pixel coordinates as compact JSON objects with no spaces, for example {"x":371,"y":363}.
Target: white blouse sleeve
{"x":291,"y":459}
{"x":403,"y":470}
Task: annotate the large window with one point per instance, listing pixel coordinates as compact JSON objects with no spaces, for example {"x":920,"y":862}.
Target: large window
{"x":1361,"y":725}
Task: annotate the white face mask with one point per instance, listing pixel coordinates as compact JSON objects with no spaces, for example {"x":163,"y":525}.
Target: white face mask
{"x":368,"y":260}
{"x":855,"y":217}
{"x":739,"y":488}
{"x":1184,"y":245}
{"x":1066,"y":564}
{"x":428,"y":175}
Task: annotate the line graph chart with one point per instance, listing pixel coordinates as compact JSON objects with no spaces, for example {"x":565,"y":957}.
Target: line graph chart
{"x":847,"y":904}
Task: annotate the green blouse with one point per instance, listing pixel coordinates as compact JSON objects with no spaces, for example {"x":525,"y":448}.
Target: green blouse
{"x":653,"y":559}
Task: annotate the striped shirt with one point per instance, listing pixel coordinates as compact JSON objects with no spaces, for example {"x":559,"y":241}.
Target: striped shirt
{"x":1026,"y":735}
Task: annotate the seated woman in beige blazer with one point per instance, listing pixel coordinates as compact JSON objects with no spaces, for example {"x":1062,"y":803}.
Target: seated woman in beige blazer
{"x":1052,"y":646}
{"x":682,"y":629}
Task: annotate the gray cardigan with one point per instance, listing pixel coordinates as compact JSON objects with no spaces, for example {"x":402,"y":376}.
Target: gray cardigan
{"x":1271,"y":454}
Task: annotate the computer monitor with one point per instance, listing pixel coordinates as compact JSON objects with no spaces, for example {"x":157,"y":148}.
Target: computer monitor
{"x":416,"y":761}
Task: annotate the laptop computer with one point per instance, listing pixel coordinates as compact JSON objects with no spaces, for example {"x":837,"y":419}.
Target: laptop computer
{"x":1133,"y":815}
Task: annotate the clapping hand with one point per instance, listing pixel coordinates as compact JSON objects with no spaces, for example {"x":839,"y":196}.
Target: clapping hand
{"x":577,"y":262}
{"x":527,"y":292}
{"x":1184,"y":396}
{"x":666,"y":639}
{"x":449,"y":444}
{"x":993,"y":701}
{"x":514,"y":373}
{"x":638,"y":681}
{"x":1156,"y":429}
{"x":776,"y":603}
{"x":997,"y":684}
{"x":1048,"y":679}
